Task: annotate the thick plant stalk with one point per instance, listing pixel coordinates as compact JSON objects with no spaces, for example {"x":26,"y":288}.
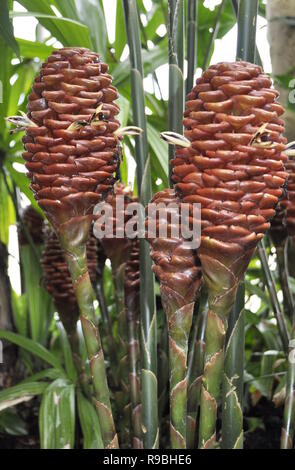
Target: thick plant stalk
{"x":148,"y":322}
{"x":118,"y":274}
{"x":232,"y":390}
{"x":176,"y":56}
{"x":72,"y":154}
{"x":228,"y":170}
{"x":76,"y":259}
{"x":287,"y":435}
{"x":196,"y":368}
{"x":132,"y":284}
{"x":180,"y":279}
{"x":191,"y":29}
{"x":99,"y":288}
{"x":235,"y":5}
{"x":163,"y":372}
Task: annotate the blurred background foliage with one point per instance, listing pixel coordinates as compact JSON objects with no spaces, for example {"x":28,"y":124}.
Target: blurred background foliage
{"x":40,"y":365}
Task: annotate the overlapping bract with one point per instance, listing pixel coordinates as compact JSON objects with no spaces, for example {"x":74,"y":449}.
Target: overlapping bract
{"x":57,"y":278}
{"x":33,"y":222}
{"x":288,"y":202}
{"x":132,"y":281}
{"x":117,"y":248}
{"x":283,"y":223}
{"x":175,"y":263}
{"x":235,"y":173}
{"x":72,"y":168}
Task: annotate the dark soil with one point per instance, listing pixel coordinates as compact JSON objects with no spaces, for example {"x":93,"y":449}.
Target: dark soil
{"x":271,"y":421}
{"x":29,"y":413}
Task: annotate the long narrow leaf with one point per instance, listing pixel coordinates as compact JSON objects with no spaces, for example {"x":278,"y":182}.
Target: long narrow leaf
{"x":20,"y":393}
{"x":69,"y":32}
{"x":32,"y":347}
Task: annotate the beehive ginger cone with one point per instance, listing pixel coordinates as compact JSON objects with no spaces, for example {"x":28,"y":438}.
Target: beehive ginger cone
{"x":289,"y":201}
{"x":234,"y":168}
{"x":178,"y":271}
{"x":283,"y":223}
{"x":233,"y":171}
{"x":32,"y":222}
{"x":175,"y":263}
{"x":72,"y":153}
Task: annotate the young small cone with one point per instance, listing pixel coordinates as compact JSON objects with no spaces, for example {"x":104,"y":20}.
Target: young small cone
{"x":33,"y":222}
{"x":58,"y":281}
{"x":118,"y":249}
{"x":178,"y":271}
{"x":290,"y":217}
{"x":278,"y":227}
{"x":235,"y":170}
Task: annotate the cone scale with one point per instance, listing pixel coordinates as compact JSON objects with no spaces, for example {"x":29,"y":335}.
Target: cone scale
{"x":234,"y":168}
{"x":72,"y":155}
{"x":179,"y":274}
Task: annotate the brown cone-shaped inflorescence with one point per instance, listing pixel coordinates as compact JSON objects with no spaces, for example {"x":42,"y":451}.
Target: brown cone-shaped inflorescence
{"x":283,"y":223}
{"x":72,"y":152}
{"x":117,"y":248}
{"x":175,"y":263}
{"x":32,"y":221}
{"x":132,"y":280}
{"x":289,"y":201}
{"x":278,"y":227}
{"x":234,"y":167}
{"x":57,"y":278}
